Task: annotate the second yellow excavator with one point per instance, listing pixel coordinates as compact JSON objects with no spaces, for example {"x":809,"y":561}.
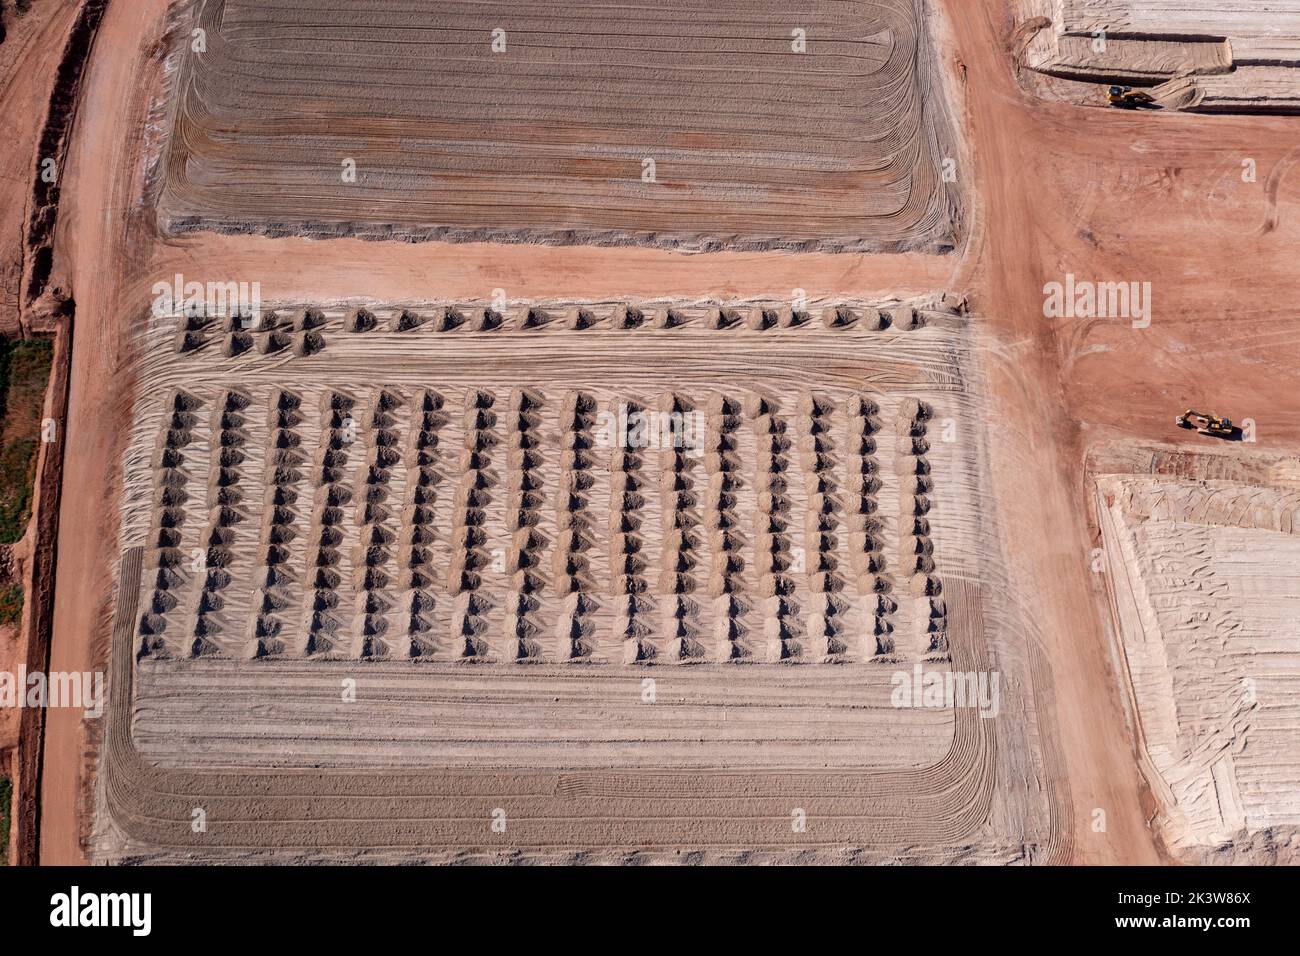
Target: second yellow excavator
{"x":1127,"y":98}
{"x":1206,"y":424}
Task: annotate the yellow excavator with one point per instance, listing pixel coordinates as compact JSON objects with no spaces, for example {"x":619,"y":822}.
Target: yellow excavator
{"x":1206,"y":424}
{"x":1127,"y":98}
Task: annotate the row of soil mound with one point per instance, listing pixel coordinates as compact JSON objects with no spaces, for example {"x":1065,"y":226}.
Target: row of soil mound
{"x":917,"y":552}
{"x":388,"y":525}
{"x":303,"y":331}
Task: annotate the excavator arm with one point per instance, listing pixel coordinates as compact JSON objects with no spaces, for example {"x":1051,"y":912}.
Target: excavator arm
{"x":1205,"y":424}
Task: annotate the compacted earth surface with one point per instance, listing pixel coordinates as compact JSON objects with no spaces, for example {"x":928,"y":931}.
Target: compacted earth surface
{"x":734,"y":124}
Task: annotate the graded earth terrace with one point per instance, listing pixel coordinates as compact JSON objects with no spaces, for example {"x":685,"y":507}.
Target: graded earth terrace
{"x":439,"y":505}
{"x":728,"y":125}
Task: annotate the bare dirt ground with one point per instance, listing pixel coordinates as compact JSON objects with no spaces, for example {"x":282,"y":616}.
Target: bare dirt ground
{"x":1054,"y":190}
{"x":539,"y":125}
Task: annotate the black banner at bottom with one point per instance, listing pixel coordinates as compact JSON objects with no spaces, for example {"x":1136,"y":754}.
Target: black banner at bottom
{"x":333,"y":905}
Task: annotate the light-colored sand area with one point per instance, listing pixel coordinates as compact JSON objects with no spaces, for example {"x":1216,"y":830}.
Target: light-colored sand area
{"x":1205,"y":580}
{"x":1201,"y":55}
{"x":1183,"y":18}
{"x":293,"y":714}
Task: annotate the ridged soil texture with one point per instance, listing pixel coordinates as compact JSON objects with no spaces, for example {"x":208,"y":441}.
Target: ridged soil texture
{"x":525,"y":500}
{"x":426,"y":486}
{"x":576,"y":637}
{"x":629,"y":585}
{"x":607,"y":124}
{"x":472,"y":553}
{"x":279,"y":581}
{"x":167,"y":561}
{"x":378,"y":508}
{"x":327,"y":623}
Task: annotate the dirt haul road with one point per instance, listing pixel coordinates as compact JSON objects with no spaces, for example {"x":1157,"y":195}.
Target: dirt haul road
{"x":1055,"y":190}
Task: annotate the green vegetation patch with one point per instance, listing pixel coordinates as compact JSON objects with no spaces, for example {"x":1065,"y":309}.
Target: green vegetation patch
{"x":6,"y":804}
{"x":11,"y":603}
{"x":24,"y":374}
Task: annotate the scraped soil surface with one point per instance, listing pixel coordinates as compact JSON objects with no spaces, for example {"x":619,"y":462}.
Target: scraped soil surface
{"x":681,"y":124}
